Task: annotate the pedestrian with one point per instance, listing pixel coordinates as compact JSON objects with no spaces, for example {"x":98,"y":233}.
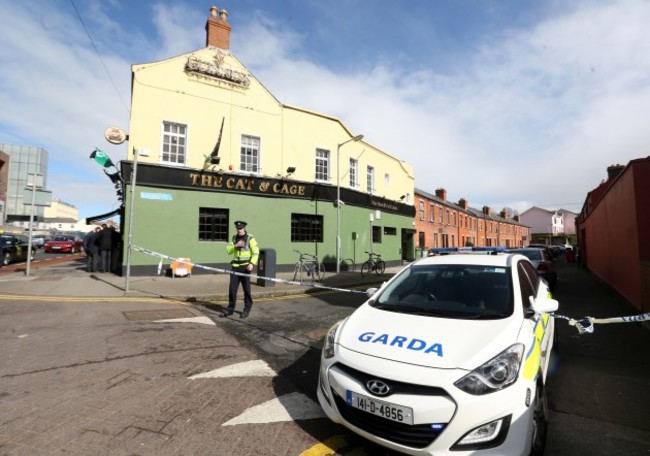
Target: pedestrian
{"x":105,"y":242}
{"x":92,"y":249}
{"x":246,"y":251}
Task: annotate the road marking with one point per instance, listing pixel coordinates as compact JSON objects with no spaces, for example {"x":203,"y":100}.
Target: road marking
{"x":255,"y":368}
{"x":337,"y":444}
{"x":290,"y":407}
{"x":202,"y":320}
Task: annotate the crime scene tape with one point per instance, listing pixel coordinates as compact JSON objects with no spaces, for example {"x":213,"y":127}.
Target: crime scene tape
{"x":228,"y":271}
{"x":586,"y":324}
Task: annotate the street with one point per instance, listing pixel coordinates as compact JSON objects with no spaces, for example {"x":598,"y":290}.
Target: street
{"x":146,"y":376}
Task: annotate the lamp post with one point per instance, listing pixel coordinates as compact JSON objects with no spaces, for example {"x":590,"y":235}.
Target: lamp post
{"x":134,"y":173}
{"x":338,"y":200}
{"x":34,"y":184}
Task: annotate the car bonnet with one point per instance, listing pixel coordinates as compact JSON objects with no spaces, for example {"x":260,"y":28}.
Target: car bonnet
{"x":445,"y":343}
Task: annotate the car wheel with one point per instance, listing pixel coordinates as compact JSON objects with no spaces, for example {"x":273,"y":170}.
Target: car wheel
{"x":31,"y":257}
{"x":540,"y":421}
{"x":6,"y":259}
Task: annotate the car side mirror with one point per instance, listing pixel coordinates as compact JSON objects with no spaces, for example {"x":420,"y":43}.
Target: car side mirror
{"x":543,"y":305}
{"x":371,"y":292}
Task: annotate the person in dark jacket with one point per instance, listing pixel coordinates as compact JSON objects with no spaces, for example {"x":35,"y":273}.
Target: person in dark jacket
{"x":105,"y":242}
{"x":92,"y":249}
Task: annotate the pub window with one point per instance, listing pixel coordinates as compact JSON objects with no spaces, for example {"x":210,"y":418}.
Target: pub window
{"x":354,"y":173}
{"x":390,"y":231}
{"x":376,"y":234}
{"x":322,"y":165}
{"x":306,"y":228}
{"x":370,"y":180}
{"x":174,"y":142}
{"x":213,"y":224}
{"x":249,"y":159}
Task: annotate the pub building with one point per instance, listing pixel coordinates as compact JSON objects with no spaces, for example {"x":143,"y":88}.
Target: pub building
{"x":214,"y":145}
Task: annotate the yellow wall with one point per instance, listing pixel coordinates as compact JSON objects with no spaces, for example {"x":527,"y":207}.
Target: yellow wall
{"x":289,"y":136}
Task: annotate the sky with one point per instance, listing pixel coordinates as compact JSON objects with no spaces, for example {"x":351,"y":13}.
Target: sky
{"x":506,"y":103}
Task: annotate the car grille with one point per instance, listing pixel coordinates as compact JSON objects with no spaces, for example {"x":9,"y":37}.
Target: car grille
{"x":396,"y":387}
{"x":415,"y":436}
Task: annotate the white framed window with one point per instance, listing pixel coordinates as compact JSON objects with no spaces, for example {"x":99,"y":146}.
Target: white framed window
{"x":421,"y":210}
{"x":322,"y":165}
{"x":386,"y":179}
{"x":354,"y":173}
{"x":370,"y":180}
{"x":174,"y":143}
{"x":249,"y":158}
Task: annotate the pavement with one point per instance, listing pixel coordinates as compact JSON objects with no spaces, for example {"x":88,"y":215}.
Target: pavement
{"x":71,"y":279}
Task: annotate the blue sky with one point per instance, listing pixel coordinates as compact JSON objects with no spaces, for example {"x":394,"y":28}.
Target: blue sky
{"x":503,"y":103}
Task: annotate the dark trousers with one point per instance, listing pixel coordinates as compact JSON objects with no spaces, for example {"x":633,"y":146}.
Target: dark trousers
{"x":106,"y":260}
{"x":235,"y":280}
{"x":92,"y":261}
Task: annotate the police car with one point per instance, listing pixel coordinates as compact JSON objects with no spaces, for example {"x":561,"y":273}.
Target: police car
{"x":449,"y":357}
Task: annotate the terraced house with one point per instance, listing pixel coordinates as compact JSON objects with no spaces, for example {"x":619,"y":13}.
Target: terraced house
{"x":442,"y":223}
{"x":214,"y":145}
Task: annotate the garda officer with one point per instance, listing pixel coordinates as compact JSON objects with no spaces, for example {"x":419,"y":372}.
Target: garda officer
{"x":246,"y":251}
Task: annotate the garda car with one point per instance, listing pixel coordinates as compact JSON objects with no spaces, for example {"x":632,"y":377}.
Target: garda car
{"x":450,"y":357}
{"x":15,"y":248}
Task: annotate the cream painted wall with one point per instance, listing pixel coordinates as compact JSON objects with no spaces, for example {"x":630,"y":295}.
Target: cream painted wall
{"x":289,"y":136}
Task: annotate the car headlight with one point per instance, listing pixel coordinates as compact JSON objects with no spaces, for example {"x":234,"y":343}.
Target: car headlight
{"x":498,"y":373}
{"x":328,"y":347}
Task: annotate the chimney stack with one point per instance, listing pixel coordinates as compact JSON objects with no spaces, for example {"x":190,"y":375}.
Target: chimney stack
{"x":217,"y":29}
{"x":487,"y":210}
{"x":441,"y":193}
{"x":613,"y":171}
{"x":463,"y":203}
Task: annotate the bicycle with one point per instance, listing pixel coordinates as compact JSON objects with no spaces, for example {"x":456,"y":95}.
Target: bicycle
{"x":310,"y":264}
{"x":374,"y":263}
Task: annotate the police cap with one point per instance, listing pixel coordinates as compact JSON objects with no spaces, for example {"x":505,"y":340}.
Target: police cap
{"x":239,"y":224}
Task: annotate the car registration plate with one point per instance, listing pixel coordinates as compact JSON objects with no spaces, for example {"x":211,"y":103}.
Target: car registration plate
{"x":56,"y":247}
{"x":386,"y":410}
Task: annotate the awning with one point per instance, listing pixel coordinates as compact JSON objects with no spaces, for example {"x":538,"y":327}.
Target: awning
{"x":101,"y":217}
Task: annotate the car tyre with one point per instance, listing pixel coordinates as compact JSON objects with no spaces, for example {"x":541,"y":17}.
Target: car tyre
{"x":540,"y":421}
{"x":6,"y":259}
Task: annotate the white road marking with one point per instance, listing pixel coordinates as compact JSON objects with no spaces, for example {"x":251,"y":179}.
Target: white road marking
{"x":290,"y":407}
{"x":255,"y":368}
{"x":204,"y":320}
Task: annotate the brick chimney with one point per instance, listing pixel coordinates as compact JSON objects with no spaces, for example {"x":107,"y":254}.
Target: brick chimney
{"x":441,"y":193}
{"x":463,"y":203}
{"x":487,"y":210}
{"x":516,"y":218}
{"x":217,"y":29}
{"x":503,"y":214}
{"x":613,"y":171}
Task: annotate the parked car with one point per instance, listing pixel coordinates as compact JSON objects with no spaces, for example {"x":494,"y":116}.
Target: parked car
{"x":39,"y":240}
{"x":15,"y":248}
{"x":542,"y":262}
{"x":64,"y":243}
{"x":450,"y":355}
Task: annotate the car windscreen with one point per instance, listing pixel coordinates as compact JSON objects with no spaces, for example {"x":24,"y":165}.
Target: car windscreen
{"x":452,"y":291}
{"x":62,"y":238}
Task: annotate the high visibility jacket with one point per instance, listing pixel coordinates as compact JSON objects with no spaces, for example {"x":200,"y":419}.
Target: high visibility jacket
{"x":246,"y":254}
